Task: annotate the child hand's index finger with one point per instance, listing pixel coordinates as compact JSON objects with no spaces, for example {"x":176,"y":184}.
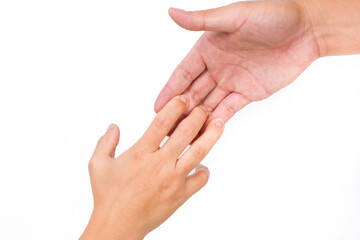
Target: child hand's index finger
{"x":185,"y":132}
{"x":163,"y":123}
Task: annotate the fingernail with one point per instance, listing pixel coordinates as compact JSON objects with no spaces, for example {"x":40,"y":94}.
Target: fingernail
{"x":184,"y":99}
{"x":219,"y":122}
{"x":111,"y":127}
{"x":200,"y":167}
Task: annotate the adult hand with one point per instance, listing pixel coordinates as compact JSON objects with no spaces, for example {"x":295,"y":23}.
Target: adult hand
{"x":249,"y":51}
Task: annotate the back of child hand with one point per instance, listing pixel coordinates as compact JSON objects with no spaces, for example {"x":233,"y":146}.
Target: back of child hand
{"x":137,"y":191}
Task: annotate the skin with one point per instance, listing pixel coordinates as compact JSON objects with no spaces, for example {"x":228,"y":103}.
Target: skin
{"x":137,"y":191}
{"x":250,"y":50}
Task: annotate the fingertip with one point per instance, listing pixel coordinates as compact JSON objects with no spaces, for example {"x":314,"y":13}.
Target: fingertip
{"x":184,"y":100}
{"x":174,"y":11}
{"x":216,"y":125}
{"x":185,"y":19}
{"x":164,"y":121}
{"x":181,"y":102}
{"x":107,"y":143}
{"x":163,"y":98}
{"x":197,"y":180}
{"x":202,"y":174}
{"x":202,"y":168}
{"x":113,"y":129}
{"x":219,"y":122}
{"x":156,"y":107}
{"x":159,"y":103}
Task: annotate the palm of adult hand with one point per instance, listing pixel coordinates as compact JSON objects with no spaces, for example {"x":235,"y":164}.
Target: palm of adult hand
{"x":250,"y":51}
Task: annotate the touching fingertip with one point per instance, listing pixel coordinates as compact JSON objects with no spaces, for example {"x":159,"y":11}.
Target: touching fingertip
{"x":184,"y":99}
{"x":219,"y":122}
{"x":156,"y":107}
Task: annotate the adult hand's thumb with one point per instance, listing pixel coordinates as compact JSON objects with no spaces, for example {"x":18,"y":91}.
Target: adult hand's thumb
{"x":223,"y":19}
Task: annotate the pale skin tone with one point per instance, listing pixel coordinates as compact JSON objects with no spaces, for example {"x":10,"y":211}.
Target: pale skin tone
{"x":137,"y":191}
{"x":250,"y":50}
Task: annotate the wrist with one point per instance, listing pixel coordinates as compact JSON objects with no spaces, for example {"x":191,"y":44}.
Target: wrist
{"x":335,"y":25}
{"x":102,"y":227}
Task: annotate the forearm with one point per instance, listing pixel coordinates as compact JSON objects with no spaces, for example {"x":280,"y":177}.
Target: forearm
{"x":335,"y":24}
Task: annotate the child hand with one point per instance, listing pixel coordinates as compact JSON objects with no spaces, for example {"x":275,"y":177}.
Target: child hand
{"x":137,"y":191}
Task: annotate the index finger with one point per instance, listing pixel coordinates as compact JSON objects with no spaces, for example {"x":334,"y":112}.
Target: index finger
{"x":163,"y":123}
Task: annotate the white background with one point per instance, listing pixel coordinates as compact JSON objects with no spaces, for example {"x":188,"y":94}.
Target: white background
{"x":286,"y":168}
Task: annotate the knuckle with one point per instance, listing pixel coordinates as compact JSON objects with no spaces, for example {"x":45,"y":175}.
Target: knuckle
{"x":229,"y":108}
{"x":188,"y":128}
{"x":203,"y":15}
{"x":185,"y":74}
{"x":162,"y":154}
{"x":162,"y":122}
{"x":198,"y":153}
{"x":137,"y":155}
{"x":194,"y":94}
{"x":171,"y":89}
{"x":179,"y":174}
{"x":167,"y":180}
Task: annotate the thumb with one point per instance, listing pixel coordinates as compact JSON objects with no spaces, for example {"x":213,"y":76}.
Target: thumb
{"x":107,"y":144}
{"x":197,"y":180}
{"x":223,"y":19}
